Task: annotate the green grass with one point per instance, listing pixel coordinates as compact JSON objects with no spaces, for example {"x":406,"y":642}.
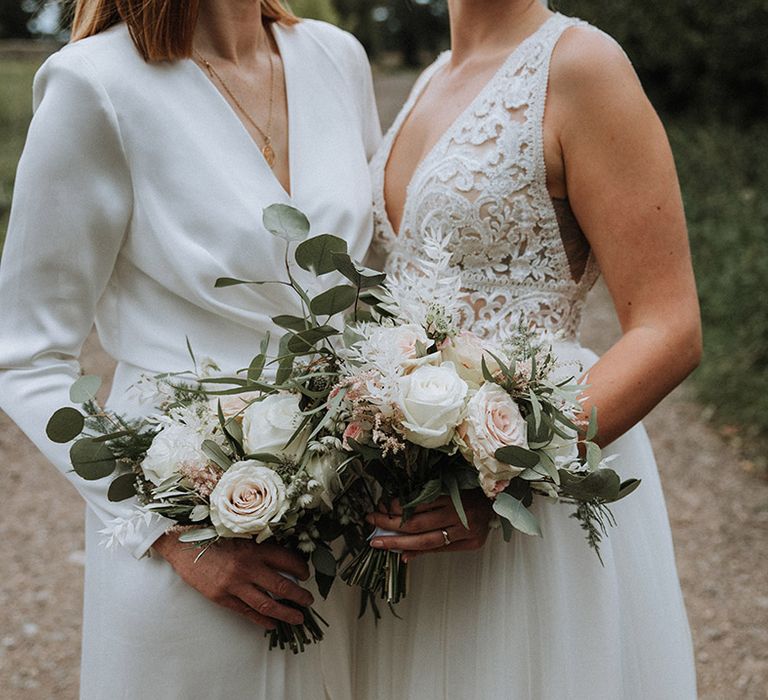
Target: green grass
{"x":15,"y":111}
{"x":724,"y":175}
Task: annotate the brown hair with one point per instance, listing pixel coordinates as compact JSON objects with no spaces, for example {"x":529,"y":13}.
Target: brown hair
{"x":161,"y":29}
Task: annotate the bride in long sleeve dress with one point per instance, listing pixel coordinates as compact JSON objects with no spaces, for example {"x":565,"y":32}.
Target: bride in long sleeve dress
{"x":142,"y":181}
{"x":533,"y":146}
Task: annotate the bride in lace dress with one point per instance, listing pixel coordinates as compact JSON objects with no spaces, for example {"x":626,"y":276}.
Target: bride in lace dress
{"x":556,"y":168}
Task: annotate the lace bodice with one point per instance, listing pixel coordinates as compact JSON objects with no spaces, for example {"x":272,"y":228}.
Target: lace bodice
{"x":520,"y":255}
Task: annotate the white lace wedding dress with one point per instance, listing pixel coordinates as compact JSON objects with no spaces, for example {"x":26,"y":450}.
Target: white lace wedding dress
{"x":536,"y":619}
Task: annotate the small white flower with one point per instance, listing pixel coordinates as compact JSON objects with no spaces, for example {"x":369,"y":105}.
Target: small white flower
{"x":248,"y":501}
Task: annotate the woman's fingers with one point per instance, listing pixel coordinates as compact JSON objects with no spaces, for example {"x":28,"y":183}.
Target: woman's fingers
{"x":241,"y":608}
{"x":281,"y":587}
{"x":425,"y":541}
{"x":419,"y":523}
{"x":285,"y":560}
{"x":265,"y":605}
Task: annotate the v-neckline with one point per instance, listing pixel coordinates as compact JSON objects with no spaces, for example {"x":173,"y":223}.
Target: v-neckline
{"x":406,"y":112}
{"x":290,"y":193}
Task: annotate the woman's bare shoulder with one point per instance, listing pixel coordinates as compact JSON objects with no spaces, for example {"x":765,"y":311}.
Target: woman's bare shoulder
{"x":586,"y":61}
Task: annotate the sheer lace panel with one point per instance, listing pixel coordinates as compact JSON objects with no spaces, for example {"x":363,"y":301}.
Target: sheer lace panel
{"x":522,"y":256}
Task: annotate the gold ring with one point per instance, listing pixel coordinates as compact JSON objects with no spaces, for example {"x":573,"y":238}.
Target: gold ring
{"x":446,"y":539}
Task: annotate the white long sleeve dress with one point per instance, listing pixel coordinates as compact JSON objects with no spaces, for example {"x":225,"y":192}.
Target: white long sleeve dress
{"x":138,"y":187}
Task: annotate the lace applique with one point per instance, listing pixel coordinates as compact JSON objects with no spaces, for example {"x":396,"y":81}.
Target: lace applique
{"x":485,"y":182}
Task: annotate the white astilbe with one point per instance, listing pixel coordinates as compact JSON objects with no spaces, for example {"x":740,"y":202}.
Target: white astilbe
{"x":427,"y":283}
{"x":374,"y":364}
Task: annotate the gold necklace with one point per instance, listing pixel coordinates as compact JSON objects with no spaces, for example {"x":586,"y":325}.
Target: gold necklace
{"x":267,"y":150}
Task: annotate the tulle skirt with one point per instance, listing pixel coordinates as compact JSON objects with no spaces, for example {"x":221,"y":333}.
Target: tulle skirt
{"x":541,"y":618}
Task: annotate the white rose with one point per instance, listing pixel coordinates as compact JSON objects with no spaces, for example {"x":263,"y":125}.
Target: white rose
{"x":233,"y":405}
{"x":493,"y":420}
{"x":248,"y":500}
{"x":176,"y":444}
{"x":432,"y":401}
{"x":466,"y":351}
{"x":269,"y":424}
{"x":323,"y":468}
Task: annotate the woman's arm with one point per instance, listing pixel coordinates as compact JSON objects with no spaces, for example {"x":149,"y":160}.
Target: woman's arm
{"x":71,"y":207}
{"x":621,"y":180}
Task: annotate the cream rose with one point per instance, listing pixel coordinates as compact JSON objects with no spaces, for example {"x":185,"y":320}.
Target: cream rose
{"x":269,"y":424}
{"x":248,"y":500}
{"x":175,"y":445}
{"x":493,"y":420}
{"x":466,"y":351}
{"x":407,"y":339}
{"x":431,"y":400}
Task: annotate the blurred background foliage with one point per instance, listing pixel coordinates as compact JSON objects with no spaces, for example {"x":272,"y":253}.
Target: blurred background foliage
{"x":705,"y":67}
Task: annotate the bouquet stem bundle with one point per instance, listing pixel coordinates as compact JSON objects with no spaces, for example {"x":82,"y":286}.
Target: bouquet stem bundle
{"x":297,"y":637}
{"x":380,"y":572}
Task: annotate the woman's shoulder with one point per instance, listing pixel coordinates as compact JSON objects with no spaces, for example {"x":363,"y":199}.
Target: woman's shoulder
{"x":339,"y":45}
{"x":586,"y":58}
{"x":104,"y":57}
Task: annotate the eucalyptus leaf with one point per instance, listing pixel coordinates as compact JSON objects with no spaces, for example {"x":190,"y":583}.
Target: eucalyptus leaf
{"x":594,"y":455}
{"x":290,"y":323}
{"x":306,"y":340}
{"x":201,"y":535}
{"x":603,"y":484}
{"x":216,"y":454}
{"x":232,"y":281}
{"x":333,"y":300}
{"x":286,"y":222}
{"x":324,"y":561}
{"x":627,"y":487}
{"x":256,"y":368}
{"x":316,"y":253}
{"x":324,"y":583}
{"x":512,"y":510}
{"x":592,"y":428}
{"x":84,"y":389}
{"x":517,"y":456}
{"x":506,"y":529}
{"x":455,"y":494}
{"x":65,"y":425}
{"x":359,"y":275}
{"x":92,"y":460}
{"x":122,"y":488}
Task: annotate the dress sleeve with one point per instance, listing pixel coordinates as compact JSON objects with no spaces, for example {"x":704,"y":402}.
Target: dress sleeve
{"x":371,"y":125}
{"x":71,"y":207}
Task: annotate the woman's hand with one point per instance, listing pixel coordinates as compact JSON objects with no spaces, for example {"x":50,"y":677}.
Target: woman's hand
{"x":433,"y":525}
{"x":241,"y":575}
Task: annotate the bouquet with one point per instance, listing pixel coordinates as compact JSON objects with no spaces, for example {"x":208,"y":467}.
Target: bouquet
{"x":432,"y":410}
{"x":255,"y":455}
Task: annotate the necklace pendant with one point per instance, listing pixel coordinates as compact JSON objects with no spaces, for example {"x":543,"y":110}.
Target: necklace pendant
{"x":269,"y":154}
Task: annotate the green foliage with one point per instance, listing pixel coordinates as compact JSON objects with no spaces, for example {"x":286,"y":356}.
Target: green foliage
{"x":315,"y":9}
{"x":15,"y":113}
{"x":724,"y":175}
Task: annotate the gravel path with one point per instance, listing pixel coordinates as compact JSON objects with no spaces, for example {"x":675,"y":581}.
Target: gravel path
{"x":719,"y":527}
